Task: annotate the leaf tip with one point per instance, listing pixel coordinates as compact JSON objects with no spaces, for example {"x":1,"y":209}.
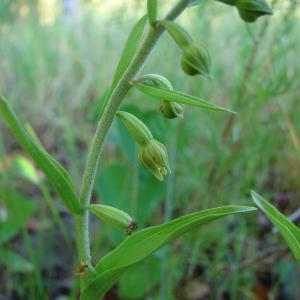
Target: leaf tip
{"x":255,"y":196}
{"x":249,"y":208}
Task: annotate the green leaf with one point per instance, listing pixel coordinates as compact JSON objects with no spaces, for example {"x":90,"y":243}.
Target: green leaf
{"x":289,"y":231}
{"x":20,"y":208}
{"x":8,"y":230}
{"x":173,"y":96}
{"x":25,"y":168}
{"x":132,"y":282}
{"x":57,"y":175}
{"x":61,"y":169}
{"x":15,"y":262}
{"x":152,"y":11}
{"x":181,"y":37}
{"x":143,"y":243}
{"x":126,"y":56}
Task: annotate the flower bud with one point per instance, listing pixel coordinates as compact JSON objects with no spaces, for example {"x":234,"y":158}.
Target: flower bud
{"x":136,"y":127}
{"x":171,"y":110}
{"x":155,"y":80}
{"x":114,"y":217}
{"x":195,"y":60}
{"x":152,"y":154}
{"x":154,"y":157}
{"x":250,"y":10}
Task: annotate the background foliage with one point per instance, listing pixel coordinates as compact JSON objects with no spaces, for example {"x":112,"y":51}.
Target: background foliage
{"x":56,"y":65}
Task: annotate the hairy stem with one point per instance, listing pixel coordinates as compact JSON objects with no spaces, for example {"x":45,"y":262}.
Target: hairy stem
{"x":82,"y":221}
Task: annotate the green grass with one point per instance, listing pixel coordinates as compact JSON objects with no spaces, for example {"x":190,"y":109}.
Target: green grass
{"x":55,"y":76}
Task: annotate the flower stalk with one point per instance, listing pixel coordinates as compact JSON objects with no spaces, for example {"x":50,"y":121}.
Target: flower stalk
{"x":122,"y":88}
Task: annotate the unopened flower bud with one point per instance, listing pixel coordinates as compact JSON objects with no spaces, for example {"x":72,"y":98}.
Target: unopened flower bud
{"x":114,"y":217}
{"x":154,"y":157}
{"x":152,"y":154}
{"x":136,"y":127}
{"x":250,"y":10}
{"x":155,"y":80}
{"x":195,"y":60}
{"x":171,"y":110}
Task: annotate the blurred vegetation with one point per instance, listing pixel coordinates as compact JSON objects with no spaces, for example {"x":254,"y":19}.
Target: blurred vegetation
{"x":55,"y":70}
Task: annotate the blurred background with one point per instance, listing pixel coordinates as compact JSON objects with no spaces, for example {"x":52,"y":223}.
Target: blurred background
{"x":57,"y":58}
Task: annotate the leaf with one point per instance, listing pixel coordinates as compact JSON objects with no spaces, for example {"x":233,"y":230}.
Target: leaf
{"x":178,"y":33}
{"x":173,"y":96}
{"x":15,"y":262}
{"x":289,"y":231}
{"x":132,"y":282}
{"x":8,"y":230}
{"x":57,"y":175}
{"x":126,"y":56}
{"x":20,"y":208}
{"x":152,"y":11}
{"x":35,"y":138}
{"x":143,"y":243}
{"x":25,"y":168}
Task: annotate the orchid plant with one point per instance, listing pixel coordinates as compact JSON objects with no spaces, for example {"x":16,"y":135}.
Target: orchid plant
{"x":97,"y":278}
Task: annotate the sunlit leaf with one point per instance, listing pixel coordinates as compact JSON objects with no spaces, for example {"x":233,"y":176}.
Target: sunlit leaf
{"x":289,"y":231}
{"x":58,"y":176}
{"x":172,"y":96}
{"x":25,"y":168}
{"x":143,"y":243}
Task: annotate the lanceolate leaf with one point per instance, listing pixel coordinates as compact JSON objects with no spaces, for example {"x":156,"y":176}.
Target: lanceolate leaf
{"x":177,"y":32}
{"x":36,"y":140}
{"x":58,"y":176}
{"x":173,"y":96}
{"x":152,"y":10}
{"x":289,"y":231}
{"x":127,"y":56}
{"x":143,"y":243}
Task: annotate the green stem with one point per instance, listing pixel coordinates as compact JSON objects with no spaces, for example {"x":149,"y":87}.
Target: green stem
{"x":104,"y":124}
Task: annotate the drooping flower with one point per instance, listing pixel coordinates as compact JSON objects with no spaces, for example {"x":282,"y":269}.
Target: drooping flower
{"x":251,"y":10}
{"x":154,"y":157}
{"x":152,"y":154}
{"x":195,"y":60}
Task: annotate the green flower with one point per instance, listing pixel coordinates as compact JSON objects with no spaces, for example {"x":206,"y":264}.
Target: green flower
{"x":195,"y":60}
{"x":251,"y":10}
{"x":154,"y":157}
{"x":171,"y":110}
{"x":114,"y":217}
{"x":152,"y":154}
